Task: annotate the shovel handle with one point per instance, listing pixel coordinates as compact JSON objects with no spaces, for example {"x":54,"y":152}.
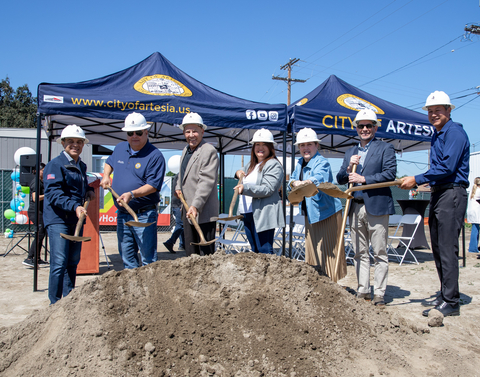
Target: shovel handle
{"x":124,"y":204}
{"x":81,"y":218}
{"x":234,"y":198}
{"x":193,"y":220}
{"x":398,"y":182}
{"x":341,"y":239}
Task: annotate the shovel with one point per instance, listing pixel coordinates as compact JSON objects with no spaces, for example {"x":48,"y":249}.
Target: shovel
{"x":202,"y":242}
{"x":130,"y":211}
{"x":76,"y":237}
{"x":232,"y":205}
{"x":301,"y":191}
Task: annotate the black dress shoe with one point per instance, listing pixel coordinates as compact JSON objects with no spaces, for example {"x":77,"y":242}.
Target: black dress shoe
{"x":446,"y":309}
{"x":437,"y":301}
{"x":169,"y":247}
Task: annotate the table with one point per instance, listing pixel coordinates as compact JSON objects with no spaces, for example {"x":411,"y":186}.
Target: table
{"x":417,"y":207}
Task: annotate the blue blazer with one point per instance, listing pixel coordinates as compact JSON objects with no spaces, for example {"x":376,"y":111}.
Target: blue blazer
{"x":380,"y":166}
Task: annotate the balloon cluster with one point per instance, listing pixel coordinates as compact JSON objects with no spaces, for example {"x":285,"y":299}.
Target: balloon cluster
{"x":8,"y":233}
{"x":17,"y":204}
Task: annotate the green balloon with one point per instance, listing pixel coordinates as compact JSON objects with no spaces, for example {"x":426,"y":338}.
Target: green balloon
{"x":9,"y":213}
{"x":8,"y":230}
{"x":25,"y":189}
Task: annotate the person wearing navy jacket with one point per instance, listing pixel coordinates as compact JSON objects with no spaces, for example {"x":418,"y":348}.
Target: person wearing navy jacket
{"x":369,"y":214}
{"x":66,"y":189}
{"x":448,"y":179}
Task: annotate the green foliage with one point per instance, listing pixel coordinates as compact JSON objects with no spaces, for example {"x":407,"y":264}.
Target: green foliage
{"x":170,"y":174}
{"x":17,"y":108}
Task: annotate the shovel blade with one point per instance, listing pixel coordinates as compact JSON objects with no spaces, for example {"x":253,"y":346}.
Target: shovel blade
{"x":138,"y":224}
{"x":206,"y":243}
{"x":75,"y":238}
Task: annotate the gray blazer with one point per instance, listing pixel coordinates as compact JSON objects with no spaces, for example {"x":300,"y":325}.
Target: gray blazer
{"x":266,"y":201}
{"x":199,"y":185}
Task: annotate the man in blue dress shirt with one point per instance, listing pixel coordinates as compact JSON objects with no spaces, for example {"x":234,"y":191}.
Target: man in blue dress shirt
{"x":448,"y":178}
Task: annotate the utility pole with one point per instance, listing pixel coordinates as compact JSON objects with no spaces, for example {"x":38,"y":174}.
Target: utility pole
{"x":288,"y":79}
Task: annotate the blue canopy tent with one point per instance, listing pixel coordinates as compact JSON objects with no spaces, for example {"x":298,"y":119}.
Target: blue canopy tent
{"x":331,"y":108}
{"x":163,"y":94}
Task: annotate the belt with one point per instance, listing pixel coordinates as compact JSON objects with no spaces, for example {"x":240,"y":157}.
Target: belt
{"x":358,"y":200}
{"x":447,"y":186}
{"x":141,"y":210}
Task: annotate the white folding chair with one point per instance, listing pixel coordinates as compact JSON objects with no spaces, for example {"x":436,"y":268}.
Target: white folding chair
{"x":237,"y":244}
{"x":298,"y":236}
{"x":349,"y":251}
{"x":404,"y":241}
{"x":393,"y":220}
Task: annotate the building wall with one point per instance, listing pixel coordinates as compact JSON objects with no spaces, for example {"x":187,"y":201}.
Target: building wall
{"x":11,"y":139}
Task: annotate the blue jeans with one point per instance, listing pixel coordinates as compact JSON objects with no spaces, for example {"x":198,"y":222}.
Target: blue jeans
{"x":131,"y":239}
{"x":178,"y":231}
{"x":473,"y":246}
{"x":64,"y":258}
{"x":261,"y":242}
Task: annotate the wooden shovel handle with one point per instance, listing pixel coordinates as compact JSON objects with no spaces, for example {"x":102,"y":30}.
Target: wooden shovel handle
{"x":78,"y":228}
{"x":124,"y":204}
{"x":192,"y":219}
{"x":398,"y":182}
{"x":234,"y":198}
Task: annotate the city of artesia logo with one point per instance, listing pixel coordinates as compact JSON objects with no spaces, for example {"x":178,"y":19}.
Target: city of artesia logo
{"x":161,"y":85}
{"x":355,"y":103}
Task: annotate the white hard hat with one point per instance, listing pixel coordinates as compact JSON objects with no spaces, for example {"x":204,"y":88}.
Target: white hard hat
{"x":72,"y":131}
{"x":437,"y":98}
{"x":366,"y":114}
{"x":135,"y":122}
{"x":192,"y":118}
{"x":307,"y":135}
{"x":262,"y":136}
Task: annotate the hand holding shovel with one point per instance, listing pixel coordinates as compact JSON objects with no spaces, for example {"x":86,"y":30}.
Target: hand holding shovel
{"x":232,"y":206}
{"x":76,"y":237}
{"x":130,"y":211}
{"x":202,"y":242}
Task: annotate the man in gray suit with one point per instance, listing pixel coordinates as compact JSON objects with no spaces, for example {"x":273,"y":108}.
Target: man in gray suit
{"x":376,"y":162}
{"x":197,"y":182}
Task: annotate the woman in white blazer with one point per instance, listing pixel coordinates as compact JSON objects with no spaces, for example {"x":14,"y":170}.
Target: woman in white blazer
{"x":259,"y":200}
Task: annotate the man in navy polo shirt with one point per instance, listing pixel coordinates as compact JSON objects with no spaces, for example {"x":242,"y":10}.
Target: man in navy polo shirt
{"x":138,"y":169}
{"x":448,"y":178}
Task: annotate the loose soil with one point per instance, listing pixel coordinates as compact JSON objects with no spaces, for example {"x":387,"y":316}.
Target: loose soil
{"x":232,"y":315}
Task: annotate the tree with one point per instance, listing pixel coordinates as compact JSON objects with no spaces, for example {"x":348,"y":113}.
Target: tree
{"x":18,"y":108}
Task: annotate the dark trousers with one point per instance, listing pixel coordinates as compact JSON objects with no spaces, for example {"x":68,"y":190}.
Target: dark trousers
{"x":446,"y":218}
{"x":261,"y":242}
{"x":41,"y":236}
{"x":191,"y":235}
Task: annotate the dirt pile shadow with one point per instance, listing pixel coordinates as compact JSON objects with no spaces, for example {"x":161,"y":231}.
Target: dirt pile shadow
{"x":242,"y":315}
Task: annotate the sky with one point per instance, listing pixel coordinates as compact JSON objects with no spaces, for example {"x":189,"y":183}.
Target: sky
{"x":400,"y":50}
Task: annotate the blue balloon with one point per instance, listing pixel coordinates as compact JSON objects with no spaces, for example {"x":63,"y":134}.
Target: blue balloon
{"x":19,"y":188}
{"x":22,"y":195}
{"x":15,"y":176}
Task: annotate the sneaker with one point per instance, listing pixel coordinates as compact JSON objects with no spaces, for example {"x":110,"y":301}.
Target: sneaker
{"x":378,"y":301}
{"x":42,"y":263}
{"x":365,"y":296}
{"x":28,"y":262}
{"x":169,"y":247}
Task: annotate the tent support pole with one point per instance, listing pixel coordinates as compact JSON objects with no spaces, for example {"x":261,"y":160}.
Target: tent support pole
{"x":38,"y":245}
{"x":284,"y":190}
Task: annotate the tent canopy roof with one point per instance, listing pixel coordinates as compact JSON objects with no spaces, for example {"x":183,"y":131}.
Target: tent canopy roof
{"x":163,"y":94}
{"x":331,"y":108}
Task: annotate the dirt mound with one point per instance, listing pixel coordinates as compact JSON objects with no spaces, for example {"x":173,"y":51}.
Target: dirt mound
{"x":242,"y":315}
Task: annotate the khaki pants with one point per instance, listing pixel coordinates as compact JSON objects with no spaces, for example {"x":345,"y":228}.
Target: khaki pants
{"x":366,"y":229}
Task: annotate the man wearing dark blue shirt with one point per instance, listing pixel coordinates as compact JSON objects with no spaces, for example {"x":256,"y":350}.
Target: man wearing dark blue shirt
{"x":448,"y":178}
{"x":138,"y":169}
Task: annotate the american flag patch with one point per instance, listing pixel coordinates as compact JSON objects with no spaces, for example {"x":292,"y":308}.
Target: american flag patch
{"x":51,"y":176}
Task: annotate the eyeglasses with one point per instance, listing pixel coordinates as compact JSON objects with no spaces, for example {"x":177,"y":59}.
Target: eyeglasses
{"x":138,"y":133}
{"x":361,"y":126}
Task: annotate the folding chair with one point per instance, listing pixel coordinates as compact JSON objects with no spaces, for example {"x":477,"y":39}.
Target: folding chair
{"x":349,"y":251}
{"x":404,"y":241}
{"x":298,"y":236}
{"x":238,"y":243}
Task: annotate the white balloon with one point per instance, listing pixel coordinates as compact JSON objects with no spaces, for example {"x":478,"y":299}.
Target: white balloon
{"x":21,"y":151}
{"x":174,"y":163}
{"x":21,"y":219}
